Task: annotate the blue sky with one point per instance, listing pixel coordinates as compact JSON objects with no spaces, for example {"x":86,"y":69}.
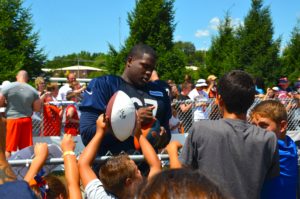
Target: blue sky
{"x":71,"y":26}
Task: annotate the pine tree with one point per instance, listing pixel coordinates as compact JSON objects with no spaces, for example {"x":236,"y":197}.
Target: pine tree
{"x":257,"y":51}
{"x":152,"y":23}
{"x":18,"y":43}
{"x":291,"y":55}
{"x":220,"y":57}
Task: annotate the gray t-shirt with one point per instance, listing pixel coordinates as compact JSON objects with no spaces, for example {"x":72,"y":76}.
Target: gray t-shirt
{"x":236,"y":155}
{"x":20,"y":98}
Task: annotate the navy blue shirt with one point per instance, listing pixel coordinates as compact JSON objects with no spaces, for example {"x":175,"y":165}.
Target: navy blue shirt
{"x":16,"y":189}
{"x":96,"y":97}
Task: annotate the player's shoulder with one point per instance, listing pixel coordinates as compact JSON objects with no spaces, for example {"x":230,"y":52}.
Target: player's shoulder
{"x":108,"y":79}
{"x":156,"y":90}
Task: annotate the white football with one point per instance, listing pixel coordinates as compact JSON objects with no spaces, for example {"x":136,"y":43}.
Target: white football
{"x":121,"y":114}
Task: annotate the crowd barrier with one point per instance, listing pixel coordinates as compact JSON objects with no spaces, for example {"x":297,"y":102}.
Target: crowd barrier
{"x":52,"y":132}
{"x":49,"y":123}
{"x":212,"y":112}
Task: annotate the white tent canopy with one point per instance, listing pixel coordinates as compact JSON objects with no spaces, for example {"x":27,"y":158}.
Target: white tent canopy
{"x":78,"y":68}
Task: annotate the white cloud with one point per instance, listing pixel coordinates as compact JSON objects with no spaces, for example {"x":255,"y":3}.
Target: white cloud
{"x":214,"y":23}
{"x":236,"y":22}
{"x":202,"y":33}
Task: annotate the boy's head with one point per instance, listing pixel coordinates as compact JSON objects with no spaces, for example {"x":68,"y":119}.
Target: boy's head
{"x":120,"y":176}
{"x":237,"y":91}
{"x":270,"y":115}
{"x":71,"y":96}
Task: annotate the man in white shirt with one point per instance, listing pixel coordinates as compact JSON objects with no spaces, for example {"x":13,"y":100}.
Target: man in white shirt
{"x":200,"y":98}
{"x":62,"y":93}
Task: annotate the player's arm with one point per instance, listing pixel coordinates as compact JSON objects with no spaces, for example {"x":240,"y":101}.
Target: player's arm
{"x":147,"y":150}
{"x":37,"y":105}
{"x":70,"y":113}
{"x":89,"y":153}
{"x":41,"y":154}
{"x":71,"y":168}
{"x":95,"y":99}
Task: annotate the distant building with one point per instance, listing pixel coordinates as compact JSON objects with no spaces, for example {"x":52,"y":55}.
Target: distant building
{"x":191,"y":67}
{"x":80,"y":71}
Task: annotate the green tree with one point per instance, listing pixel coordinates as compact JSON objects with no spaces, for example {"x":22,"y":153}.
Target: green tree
{"x":291,"y":55}
{"x":152,"y":23}
{"x":220,"y":56}
{"x":18,"y":43}
{"x":257,"y":51}
{"x":82,"y":58}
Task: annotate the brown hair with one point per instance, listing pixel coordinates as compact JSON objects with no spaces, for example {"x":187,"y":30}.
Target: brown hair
{"x":272,"y":109}
{"x":56,"y":188}
{"x":180,"y":183}
{"x":74,"y":84}
{"x":115,"y":171}
{"x":70,"y":95}
{"x":51,"y":86}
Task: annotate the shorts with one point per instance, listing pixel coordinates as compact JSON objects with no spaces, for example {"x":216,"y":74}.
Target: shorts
{"x":18,"y":133}
{"x":72,"y":131}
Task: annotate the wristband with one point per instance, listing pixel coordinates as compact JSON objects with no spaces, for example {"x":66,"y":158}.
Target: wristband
{"x":68,"y":153}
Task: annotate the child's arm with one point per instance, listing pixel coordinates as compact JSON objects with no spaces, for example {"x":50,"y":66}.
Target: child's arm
{"x":71,"y":168}
{"x":172,"y":149}
{"x":89,"y":153}
{"x":41,"y":154}
{"x":148,"y":151}
{"x":70,"y":113}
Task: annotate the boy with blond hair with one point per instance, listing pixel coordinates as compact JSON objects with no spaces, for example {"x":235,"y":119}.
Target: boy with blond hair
{"x":272,"y":116}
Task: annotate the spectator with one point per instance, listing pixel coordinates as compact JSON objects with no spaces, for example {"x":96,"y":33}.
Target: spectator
{"x":212,"y":86}
{"x":175,"y":123}
{"x":119,"y":176}
{"x":200,"y":98}
{"x":52,"y":114}
{"x":21,"y":100}
{"x":40,"y":85}
{"x":185,"y":112}
{"x":180,"y":183}
{"x":72,"y":118}
{"x":77,"y":88}
{"x":9,"y":186}
{"x":62,"y":93}
{"x":2,"y":109}
{"x":284,"y":88}
{"x":149,"y":99}
{"x":272,"y":93}
{"x":272,"y":116}
{"x":236,"y":155}
{"x":52,"y":89}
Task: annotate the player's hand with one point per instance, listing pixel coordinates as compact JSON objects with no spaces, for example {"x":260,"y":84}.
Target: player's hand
{"x":101,"y":123}
{"x":67,"y":143}
{"x":145,"y":114}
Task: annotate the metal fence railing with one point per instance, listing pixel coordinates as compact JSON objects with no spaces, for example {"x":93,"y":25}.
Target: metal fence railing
{"x":49,"y":123}
{"x":212,"y":112}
